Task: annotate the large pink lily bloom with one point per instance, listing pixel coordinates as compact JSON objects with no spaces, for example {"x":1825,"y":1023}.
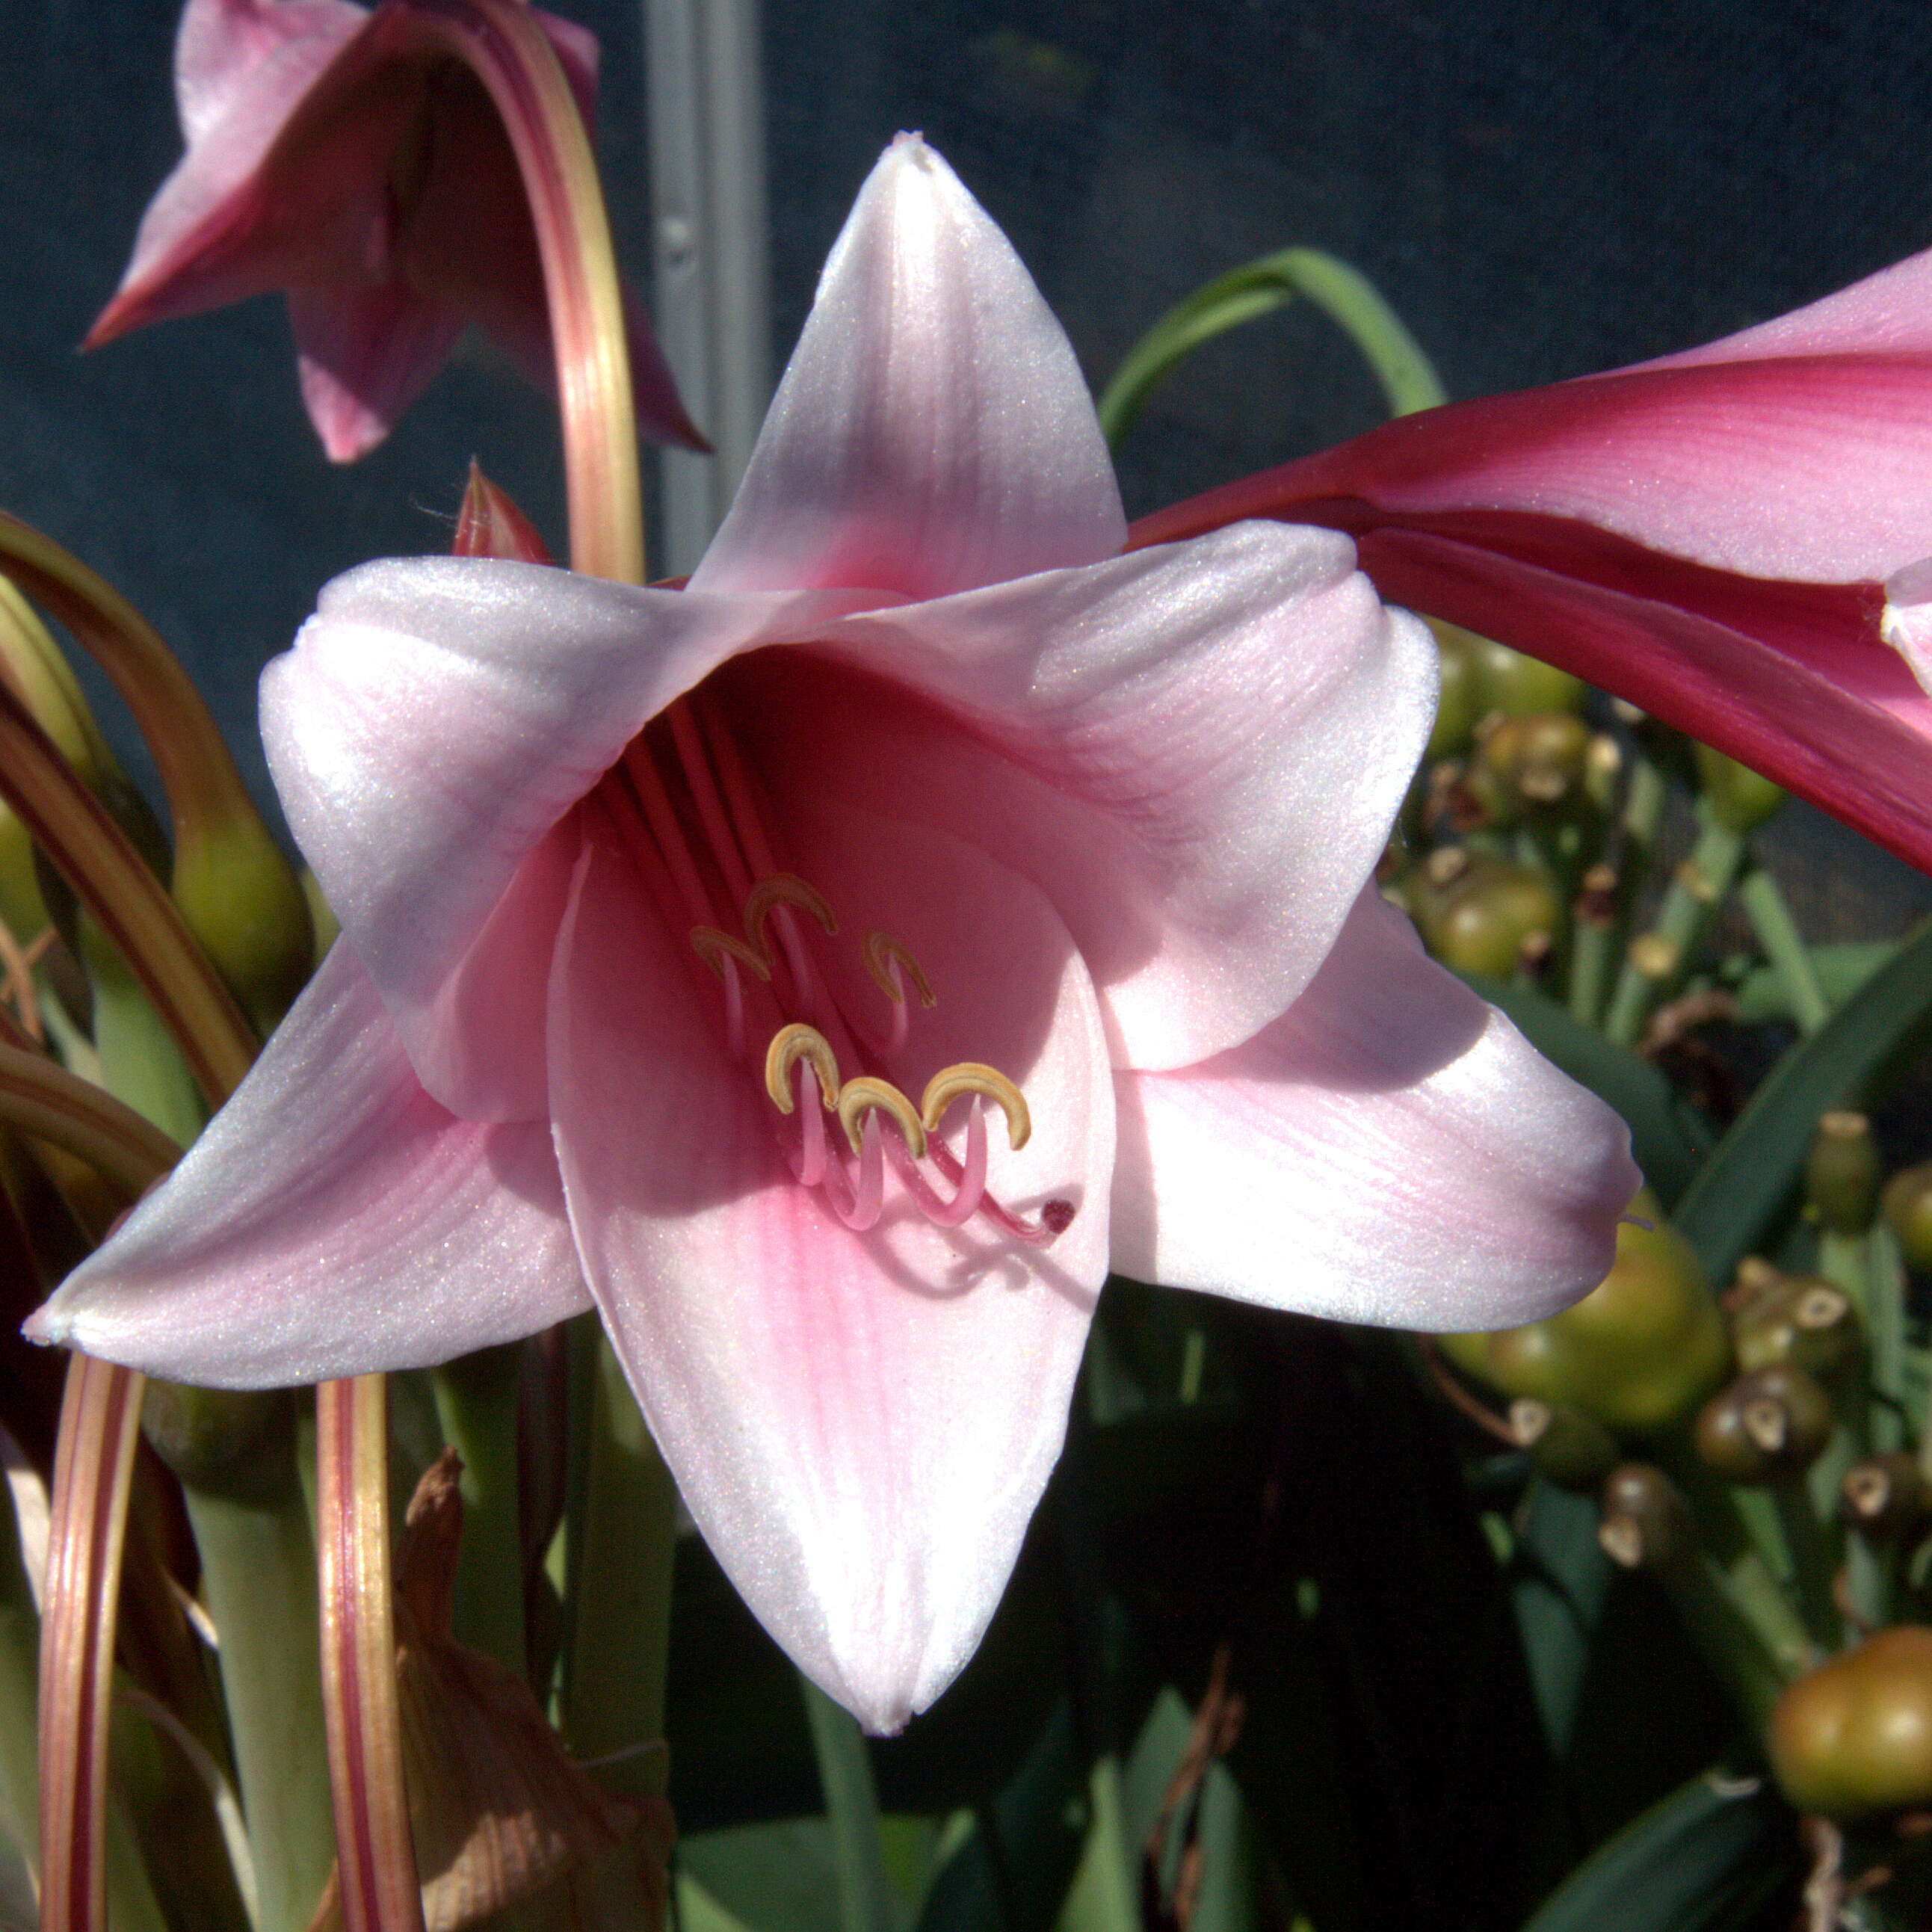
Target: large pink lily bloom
{"x":1096,"y":834}
{"x":328,"y":157}
{"x":1726,"y":537}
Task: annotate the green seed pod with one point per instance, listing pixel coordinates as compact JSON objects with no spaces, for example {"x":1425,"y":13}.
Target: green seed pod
{"x":1735,"y":795}
{"x":1490,"y":916}
{"x":1646,"y":1523}
{"x":1461,"y":702}
{"x":1799,"y":1319}
{"x":222,"y":1440}
{"x":1886,"y":1498}
{"x":1907,"y":1206}
{"x":1854,"y":1737}
{"x":1842,"y":1174}
{"x":1538,"y":761}
{"x":1641,"y":1350}
{"x":1516,"y":685}
{"x":1766,"y":1427}
{"x":1574,"y":1450}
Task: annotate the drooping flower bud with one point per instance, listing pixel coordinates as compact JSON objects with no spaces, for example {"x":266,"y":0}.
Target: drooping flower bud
{"x":1854,"y":1737}
{"x":1907,"y":1205}
{"x":1574,"y":1450}
{"x":1737,"y":797}
{"x":1842,"y":1174}
{"x":1639,"y":1351}
{"x":1646,"y":1523}
{"x":1886,"y":1498}
{"x":1766,"y":1427}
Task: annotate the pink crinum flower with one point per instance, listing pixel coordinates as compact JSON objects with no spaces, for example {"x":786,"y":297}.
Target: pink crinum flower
{"x":1735,"y":538}
{"x":830,"y":968}
{"x":333,"y":157}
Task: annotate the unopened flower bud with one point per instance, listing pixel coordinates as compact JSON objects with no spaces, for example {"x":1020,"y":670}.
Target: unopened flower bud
{"x":1646,"y":1523}
{"x":1766,"y":1427}
{"x":1737,"y":797}
{"x":1516,"y":685}
{"x":1802,"y":1320}
{"x":1842,"y":1174}
{"x":224,"y":1440}
{"x":490,"y":524}
{"x":1854,"y":1737}
{"x":1907,"y":1205}
{"x":1641,"y":1350}
{"x":1572,"y":1450}
{"x":1886,"y":1498}
{"x":1489,"y":915}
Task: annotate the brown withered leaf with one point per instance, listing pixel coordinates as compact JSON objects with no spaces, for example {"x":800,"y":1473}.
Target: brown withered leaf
{"x":498,"y":1808}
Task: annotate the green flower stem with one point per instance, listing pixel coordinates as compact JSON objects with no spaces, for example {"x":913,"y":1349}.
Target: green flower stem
{"x":1599,"y":946}
{"x":1764,"y":903}
{"x":620,"y":1577}
{"x":1689,"y":901}
{"x":476,"y":1401}
{"x":1870,"y":1269}
{"x":1347,"y":297}
{"x":140,"y":1063}
{"x":1814,"y":1561}
{"x":852,"y":1812}
{"x":19,"y":1696}
{"x":258,"y":1574}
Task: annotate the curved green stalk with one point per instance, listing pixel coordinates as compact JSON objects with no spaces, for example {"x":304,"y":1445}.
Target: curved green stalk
{"x":1346,"y":296}
{"x":852,"y":1812}
{"x":476,"y":1402}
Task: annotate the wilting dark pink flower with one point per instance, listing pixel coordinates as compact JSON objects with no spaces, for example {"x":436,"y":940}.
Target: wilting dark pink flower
{"x":1726,"y":537}
{"x":333,"y":155}
{"x":1051,"y":862}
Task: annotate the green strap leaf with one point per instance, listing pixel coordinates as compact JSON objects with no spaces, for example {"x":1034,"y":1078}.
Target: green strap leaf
{"x":1345,"y":295}
{"x":1727,"y":1210}
{"x":1695,"y":1861}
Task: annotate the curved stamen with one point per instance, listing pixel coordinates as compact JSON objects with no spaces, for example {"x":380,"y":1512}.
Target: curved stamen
{"x":857,"y":1200}
{"x":969,"y":1194}
{"x":866,"y":1095}
{"x":790,"y":1045}
{"x":891,"y":964}
{"x":710,"y":945}
{"x":973,"y":1076}
{"x":785,"y":888}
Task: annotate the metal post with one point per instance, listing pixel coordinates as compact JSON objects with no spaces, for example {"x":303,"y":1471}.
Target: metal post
{"x":705,"y":95}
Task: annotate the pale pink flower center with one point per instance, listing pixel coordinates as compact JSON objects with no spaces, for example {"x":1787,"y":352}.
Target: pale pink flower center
{"x":689,"y":812}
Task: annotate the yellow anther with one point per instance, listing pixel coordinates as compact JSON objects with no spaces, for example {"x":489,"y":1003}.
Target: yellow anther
{"x":881,"y":950}
{"x":790,"y":1045}
{"x":866,"y":1095}
{"x":787,"y":888}
{"x":971,"y":1076}
{"x":710,"y":945}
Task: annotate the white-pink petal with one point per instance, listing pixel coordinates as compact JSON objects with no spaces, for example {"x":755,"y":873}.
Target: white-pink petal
{"x":1391,"y":1151}
{"x":436,"y":718}
{"x":861,"y":1424}
{"x":332,"y":1220}
{"x":933,"y":432}
{"x":1195,"y":752}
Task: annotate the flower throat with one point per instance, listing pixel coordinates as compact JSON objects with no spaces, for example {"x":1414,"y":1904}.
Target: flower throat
{"x":685,"y":807}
